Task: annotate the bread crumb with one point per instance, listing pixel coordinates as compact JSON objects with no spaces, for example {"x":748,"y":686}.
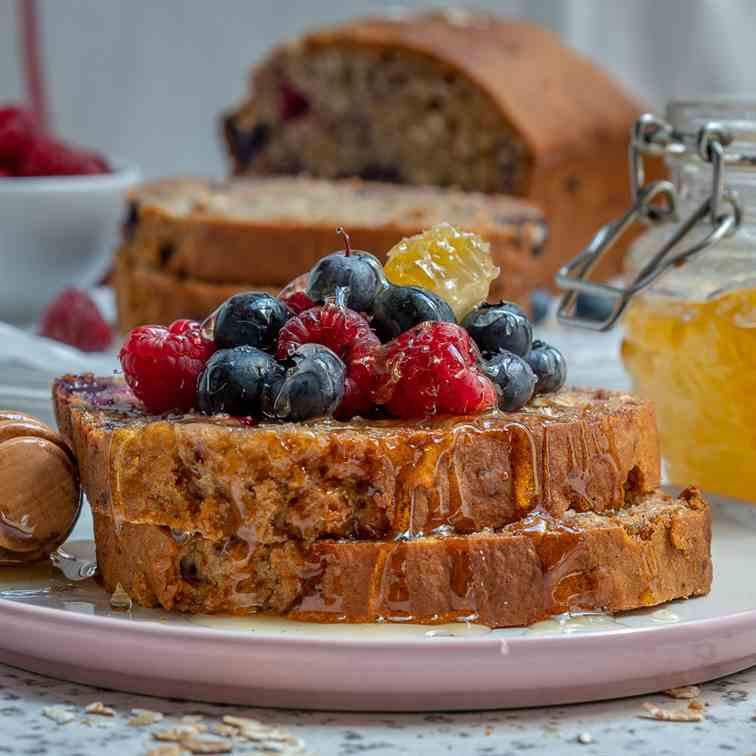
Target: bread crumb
{"x":687,"y":691}
{"x":585,"y":738}
{"x":671,"y":715}
{"x":97,"y":707}
{"x":59,"y":714}
{"x":120,"y":600}
{"x":143,"y":717}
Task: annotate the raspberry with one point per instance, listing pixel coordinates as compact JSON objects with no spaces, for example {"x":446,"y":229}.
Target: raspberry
{"x":162,"y":365}
{"x":74,"y":318}
{"x":432,"y":369}
{"x":293,"y":103}
{"x":48,"y":157}
{"x":17,"y":133}
{"x":349,"y":335}
{"x":293,"y":295}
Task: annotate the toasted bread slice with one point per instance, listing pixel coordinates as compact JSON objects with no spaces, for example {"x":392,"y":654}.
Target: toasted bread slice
{"x":366,"y":479}
{"x":652,"y":552}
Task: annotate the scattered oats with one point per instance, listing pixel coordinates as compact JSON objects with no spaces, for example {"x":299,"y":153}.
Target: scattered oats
{"x":197,"y":745}
{"x":225,"y":730}
{"x":120,"y":599}
{"x":191,"y":719}
{"x":242,"y":722}
{"x":697,"y":706}
{"x":144,"y":717}
{"x":488,"y":731}
{"x":671,"y":715}
{"x":585,"y":738}
{"x":165,"y":750}
{"x":177,"y":734}
{"x":99,"y":708}
{"x":688,"y":691}
{"x":58,"y":714}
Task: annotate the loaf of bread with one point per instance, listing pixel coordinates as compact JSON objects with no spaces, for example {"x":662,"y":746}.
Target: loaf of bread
{"x":582,"y":450}
{"x":451,"y":99}
{"x":190,"y":244}
{"x":652,"y":552}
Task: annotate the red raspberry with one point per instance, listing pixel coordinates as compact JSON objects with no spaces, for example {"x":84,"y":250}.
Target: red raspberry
{"x":162,"y":365}
{"x":432,"y":369}
{"x":17,"y":133}
{"x":48,"y":157}
{"x":349,"y":335}
{"x":293,"y":294}
{"x":74,"y":318}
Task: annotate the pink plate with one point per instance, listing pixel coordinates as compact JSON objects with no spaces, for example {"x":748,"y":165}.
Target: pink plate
{"x":65,"y":629}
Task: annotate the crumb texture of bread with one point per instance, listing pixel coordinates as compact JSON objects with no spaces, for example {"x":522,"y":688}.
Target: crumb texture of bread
{"x":653,"y":552}
{"x":190,"y":244}
{"x":468,"y":100}
{"x":575,"y":450}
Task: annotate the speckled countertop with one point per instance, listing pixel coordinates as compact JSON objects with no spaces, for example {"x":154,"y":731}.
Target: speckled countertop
{"x":613,"y":727}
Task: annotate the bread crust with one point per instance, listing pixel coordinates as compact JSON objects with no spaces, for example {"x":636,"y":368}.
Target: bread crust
{"x":654,"y":552}
{"x":183,"y":255}
{"x":575,"y":450}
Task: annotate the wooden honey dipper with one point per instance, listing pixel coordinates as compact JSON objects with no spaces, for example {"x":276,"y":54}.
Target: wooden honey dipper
{"x":39,"y":489}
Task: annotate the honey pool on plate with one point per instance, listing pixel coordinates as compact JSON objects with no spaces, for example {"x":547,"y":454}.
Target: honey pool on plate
{"x":697,"y":361}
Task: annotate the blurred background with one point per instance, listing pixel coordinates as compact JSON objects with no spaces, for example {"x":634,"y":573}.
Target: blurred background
{"x":145,"y":79}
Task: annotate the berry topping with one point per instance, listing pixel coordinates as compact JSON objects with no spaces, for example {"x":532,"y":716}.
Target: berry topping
{"x":17,"y":130}
{"x":48,"y":157}
{"x":249,"y":319}
{"x":432,"y":369}
{"x":454,"y":264}
{"x":162,"y":365}
{"x":398,"y":308}
{"x":234,"y":381}
{"x":549,"y":366}
{"x":540,"y":304}
{"x":74,"y":318}
{"x":349,"y":336}
{"x":513,"y":378}
{"x":593,"y":306}
{"x":359,"y":273}
{"x":312,"y":385}
{"x":293,"y":295}
{"x":502,"y":327}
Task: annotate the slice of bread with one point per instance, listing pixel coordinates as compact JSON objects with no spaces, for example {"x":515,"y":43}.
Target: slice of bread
{"x":455,"y":98}
{"x":366,"y":479}
{"x":652,"y":552}
{"x":190,"y":244}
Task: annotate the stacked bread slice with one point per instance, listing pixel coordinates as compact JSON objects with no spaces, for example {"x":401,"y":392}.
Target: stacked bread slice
{"x":502,"y":518}
{"x":188,"y":245}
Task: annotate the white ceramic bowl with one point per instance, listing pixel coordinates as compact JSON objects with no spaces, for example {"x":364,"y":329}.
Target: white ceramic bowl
{"x":56,"y":232}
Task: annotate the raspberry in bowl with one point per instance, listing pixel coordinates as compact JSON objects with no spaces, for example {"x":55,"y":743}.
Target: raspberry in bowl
{"x":61,"y":207}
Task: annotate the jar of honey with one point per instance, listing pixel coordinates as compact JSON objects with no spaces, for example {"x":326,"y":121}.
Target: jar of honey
{"x":690,"y":294}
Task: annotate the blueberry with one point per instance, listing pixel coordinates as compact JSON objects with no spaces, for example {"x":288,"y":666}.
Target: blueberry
{"x":549,"y":366}
{"x":593,"y":306}
{"x":500,"y":327}
{"x":397,"y":308}
{"x":251,"y":319}
{"x":359,"y":272}
{"x":311,"y":385}
{"x":234,"y":381}
{"x":540,"y":304}
{"x":514,"y":380}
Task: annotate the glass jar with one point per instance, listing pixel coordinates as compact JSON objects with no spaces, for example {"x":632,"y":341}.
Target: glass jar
{"x":690,"y":338}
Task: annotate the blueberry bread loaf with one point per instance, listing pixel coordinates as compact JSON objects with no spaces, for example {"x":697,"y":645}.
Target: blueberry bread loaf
{"x":450,"y":99}
{"x":190,"y":244}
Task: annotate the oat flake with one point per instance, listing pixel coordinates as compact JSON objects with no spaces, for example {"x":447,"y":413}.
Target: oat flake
{"x":671,"y":715}
{"x":97,"y":707}
{"x":58,"y":714}
{"x":686,"y":692}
